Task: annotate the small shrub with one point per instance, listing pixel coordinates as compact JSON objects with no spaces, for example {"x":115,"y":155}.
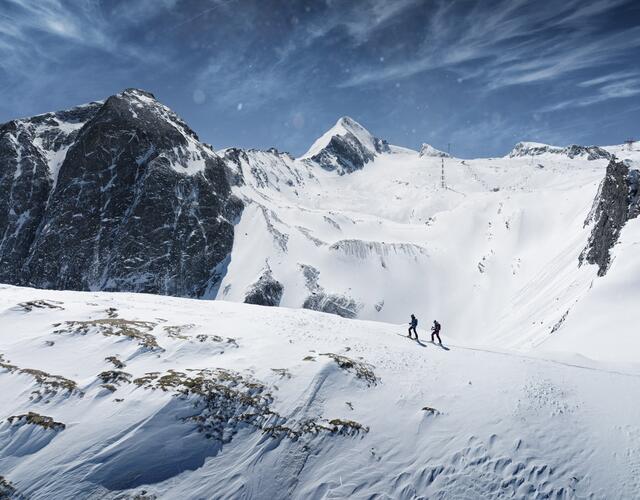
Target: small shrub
{"x":176,"y":331}
{"x":134,"y":330}
{"x":362,"y":370}
{"x":37,"y":419}
{"x":115,"y":377}
{"x":50,"y":383}
{"x":348,"y":427}
{"x":115,"y":362}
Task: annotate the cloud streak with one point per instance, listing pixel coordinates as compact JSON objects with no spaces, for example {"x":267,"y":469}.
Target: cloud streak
{"x":511,"y":44}
{"x":480,"y":71}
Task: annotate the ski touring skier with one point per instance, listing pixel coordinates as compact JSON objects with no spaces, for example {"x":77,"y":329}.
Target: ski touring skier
{"x":435,"y":331}
{"x":412,"y":326}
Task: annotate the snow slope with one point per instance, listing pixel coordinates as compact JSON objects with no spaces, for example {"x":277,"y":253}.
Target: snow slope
{"x":283,"y":419}
{"x":493,"y":256}
{"x":356,"y":226}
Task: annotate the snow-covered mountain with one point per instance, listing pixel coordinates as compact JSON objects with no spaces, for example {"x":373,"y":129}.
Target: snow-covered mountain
{"x":345,"y":147}
{"x":121,"y":195}
{"x":572,"y":151}
{"x":528,"y":261}
{"x":118,"y":195}
{"x":429,"y":150}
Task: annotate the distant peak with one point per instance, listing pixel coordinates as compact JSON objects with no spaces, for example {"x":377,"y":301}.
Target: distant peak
{"x":131,"y":91}
{"x":572,"y":151}
{"x":347,"y":121}
{"x":344,"y":126}
{"x":427,"y":150}
{"x":345,"y":147}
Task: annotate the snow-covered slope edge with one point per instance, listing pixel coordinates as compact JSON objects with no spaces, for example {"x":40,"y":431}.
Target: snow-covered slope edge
{"x":109,"y":395}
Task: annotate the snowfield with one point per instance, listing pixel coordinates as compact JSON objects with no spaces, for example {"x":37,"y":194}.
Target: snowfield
{"x":178,"y":398}
{"x":494,"y":255}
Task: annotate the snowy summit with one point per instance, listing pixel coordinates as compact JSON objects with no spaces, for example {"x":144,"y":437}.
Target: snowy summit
{"x":429,"y":151}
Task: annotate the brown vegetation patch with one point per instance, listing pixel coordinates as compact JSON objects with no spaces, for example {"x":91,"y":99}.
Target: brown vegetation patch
{"x":118,"y":327}
{"x":51,"y":384}
{"x":37,"y":419}
{"x":361,"y":369}
{"x":115,"y":377}
{"x":115,"y":361}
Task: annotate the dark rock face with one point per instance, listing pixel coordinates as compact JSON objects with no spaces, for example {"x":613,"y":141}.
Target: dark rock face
{"x":345,"y":152}
{"x":618,"y":201}
{"x":139,"y":204}
{"x":267,"y":291}
{"x":24,"y":189}
{"x":29,"y":150}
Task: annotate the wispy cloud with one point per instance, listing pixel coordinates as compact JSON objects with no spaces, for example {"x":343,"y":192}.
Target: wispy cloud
{"x":313,"y":60}
{"x":615,"y":76}
{"x":40,"y":40}
{"x":618,"y":89}
{"x":511,"y":43}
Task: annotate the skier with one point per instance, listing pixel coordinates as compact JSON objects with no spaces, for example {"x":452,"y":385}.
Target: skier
{"x":414,"y":324}
{"x":435,"y":330}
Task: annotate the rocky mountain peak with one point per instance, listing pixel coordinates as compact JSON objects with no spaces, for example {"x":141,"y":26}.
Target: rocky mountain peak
{"x":138,"y":204}
{"x":141,"y":109}
{"x":135,"y":92}
{"x":345,"y":147}
{"x":427,"y":150}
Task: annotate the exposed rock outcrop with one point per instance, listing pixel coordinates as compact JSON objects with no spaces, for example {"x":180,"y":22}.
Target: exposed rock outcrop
{"x":363,"y":249}
{"x":270,"y":169}
{"x":572,"y":151}
{"x":332,"y":303}
{"x":267,"y":291}
{"x":617,"y":201}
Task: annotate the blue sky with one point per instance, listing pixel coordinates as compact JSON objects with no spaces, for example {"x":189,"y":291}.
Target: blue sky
{"x":259,"y":73}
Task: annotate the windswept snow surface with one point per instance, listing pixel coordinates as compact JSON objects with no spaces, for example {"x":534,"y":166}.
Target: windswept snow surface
{"x":391,"y":418}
